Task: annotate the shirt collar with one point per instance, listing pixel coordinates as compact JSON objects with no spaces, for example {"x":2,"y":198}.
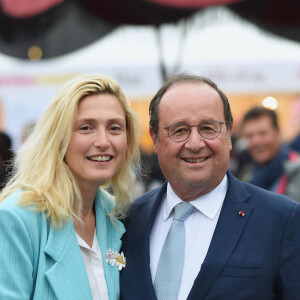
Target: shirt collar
{"x":83,"y":244}
{"x":209,"y":204}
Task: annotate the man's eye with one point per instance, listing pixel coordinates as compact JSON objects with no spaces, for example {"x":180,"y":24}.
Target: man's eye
{"x":208,"y":129}
{"x":179,"y":131}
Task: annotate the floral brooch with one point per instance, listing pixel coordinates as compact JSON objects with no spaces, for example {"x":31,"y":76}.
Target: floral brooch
{"x":114,"y":258}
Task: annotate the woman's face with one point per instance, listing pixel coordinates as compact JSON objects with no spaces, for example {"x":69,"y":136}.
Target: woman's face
{"x":98,"y":142}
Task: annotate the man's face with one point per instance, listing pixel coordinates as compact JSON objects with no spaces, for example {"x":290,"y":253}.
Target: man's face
{"x":262,"y":138}
{"x":196,"y":166}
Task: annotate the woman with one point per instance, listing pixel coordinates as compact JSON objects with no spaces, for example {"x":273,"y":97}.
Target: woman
{"x":60,"y":233}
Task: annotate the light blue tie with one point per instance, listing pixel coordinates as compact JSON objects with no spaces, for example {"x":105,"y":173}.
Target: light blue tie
{"x":170,"y":265}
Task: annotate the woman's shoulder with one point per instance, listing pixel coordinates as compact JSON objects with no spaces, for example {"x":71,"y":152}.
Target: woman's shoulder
{"x":10,"y":209}
{"x":23,"y":234}
{"x":11,"y":203}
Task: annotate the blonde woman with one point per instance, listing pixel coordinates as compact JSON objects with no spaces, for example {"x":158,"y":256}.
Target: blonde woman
{"x":59,"y":228}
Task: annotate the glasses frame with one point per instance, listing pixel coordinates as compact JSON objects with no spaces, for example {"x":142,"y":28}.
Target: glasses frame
{"x":190,"y":130}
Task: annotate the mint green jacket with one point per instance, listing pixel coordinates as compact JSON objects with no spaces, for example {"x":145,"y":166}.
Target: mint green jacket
{"x":38,"y":261}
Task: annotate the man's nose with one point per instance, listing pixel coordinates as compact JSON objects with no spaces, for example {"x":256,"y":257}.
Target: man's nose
{"x":254,"y":140}
{"x":195,"y":140}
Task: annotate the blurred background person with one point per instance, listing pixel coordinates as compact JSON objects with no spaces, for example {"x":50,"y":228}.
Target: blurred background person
{"x":151,"y":174}
{"x":6,"y":155}
{"x":295,"y":143}
{"x":60,"y":236}
{"x":274,"y":166}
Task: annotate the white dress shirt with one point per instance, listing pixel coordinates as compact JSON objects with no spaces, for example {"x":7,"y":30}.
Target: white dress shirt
{"x":199,"y":227}
{"x":94,"y":268}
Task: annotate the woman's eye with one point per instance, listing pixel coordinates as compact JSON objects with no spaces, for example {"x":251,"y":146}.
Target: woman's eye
{"x":85,"y":128}
{"x":115,"y":128}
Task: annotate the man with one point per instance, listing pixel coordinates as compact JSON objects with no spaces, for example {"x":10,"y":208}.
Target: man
{"x":238,"y":242}
{"x":274,"y":166}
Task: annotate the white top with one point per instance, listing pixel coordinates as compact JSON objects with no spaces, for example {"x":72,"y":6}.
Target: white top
{"x":199,"y":226}
{"x":94,"y":268}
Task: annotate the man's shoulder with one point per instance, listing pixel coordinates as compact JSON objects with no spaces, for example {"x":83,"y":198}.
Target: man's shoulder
{"x":142,"y":205}
{"x":144,"y":201}
{"x":145,"y":197}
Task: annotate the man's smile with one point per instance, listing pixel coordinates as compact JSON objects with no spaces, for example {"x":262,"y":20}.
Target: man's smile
{"x":195,"y":160}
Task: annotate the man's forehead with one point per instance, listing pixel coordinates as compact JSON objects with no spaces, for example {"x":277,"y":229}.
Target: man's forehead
{"x":260,"y":124}
{"x":260,"y":119}
{"x":189,"y":84}
{"x":186,"y":89}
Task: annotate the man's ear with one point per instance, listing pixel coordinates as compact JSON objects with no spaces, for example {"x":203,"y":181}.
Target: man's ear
{"x":154,"y":139}
{"x":229,"y":137}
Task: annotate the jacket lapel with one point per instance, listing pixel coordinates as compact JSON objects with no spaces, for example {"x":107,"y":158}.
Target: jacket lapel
{"x":67,"y":275}
{"x":229,"y":229}
{"x":141,"y":252}
{"x":109,"y":237}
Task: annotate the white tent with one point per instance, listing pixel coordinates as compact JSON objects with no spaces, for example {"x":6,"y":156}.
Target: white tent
{"x":217,"y":44}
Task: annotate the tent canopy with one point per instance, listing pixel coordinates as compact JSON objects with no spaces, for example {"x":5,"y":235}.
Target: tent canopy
{"x":62,"y":26}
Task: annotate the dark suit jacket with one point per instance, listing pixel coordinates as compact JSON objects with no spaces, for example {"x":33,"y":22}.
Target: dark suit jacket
{"x":251,"y":257}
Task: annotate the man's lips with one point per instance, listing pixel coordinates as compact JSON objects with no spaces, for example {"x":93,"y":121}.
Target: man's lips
{"x":100,"y":158}
{"x":195,"y":160}
{"x":258,"y":150}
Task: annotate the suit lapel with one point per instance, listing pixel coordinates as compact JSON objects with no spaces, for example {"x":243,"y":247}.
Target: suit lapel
{"x":109,"y":237}
{"x":141,"y":253}
{"x":229,"y":229}
{"x":67,"y":275}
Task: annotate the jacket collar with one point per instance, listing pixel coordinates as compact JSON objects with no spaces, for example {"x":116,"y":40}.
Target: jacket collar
{"x":68,"y":269}
{"x":109,"y":237}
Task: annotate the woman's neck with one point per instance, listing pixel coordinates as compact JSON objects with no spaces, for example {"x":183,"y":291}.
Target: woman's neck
{"x":86,"y":228}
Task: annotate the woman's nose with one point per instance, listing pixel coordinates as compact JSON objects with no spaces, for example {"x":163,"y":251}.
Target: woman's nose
{"x":101,"y":139}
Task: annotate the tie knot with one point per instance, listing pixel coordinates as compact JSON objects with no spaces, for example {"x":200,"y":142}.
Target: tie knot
{"x":182,"y":211}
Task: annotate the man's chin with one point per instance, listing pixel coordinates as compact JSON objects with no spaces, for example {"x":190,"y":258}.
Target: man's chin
{"x":261,"y":160}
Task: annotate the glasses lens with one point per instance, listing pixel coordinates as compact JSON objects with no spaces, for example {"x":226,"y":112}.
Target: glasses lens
{"x":179,"y":132}
{"x":210,"y":129}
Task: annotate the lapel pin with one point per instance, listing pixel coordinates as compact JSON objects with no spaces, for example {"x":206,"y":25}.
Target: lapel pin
{"x":121,"y":261}
{"x":114,"y":258}
{"x":241,"y":213}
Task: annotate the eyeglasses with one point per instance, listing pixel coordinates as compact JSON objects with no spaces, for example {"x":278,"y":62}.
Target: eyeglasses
{"x":180,"y":132}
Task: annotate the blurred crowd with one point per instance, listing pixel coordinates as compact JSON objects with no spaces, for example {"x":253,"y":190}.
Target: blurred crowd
{"x":260,"y":156}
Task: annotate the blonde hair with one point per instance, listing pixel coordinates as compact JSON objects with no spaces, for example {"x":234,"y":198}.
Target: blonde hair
{"x":40,"y":169}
